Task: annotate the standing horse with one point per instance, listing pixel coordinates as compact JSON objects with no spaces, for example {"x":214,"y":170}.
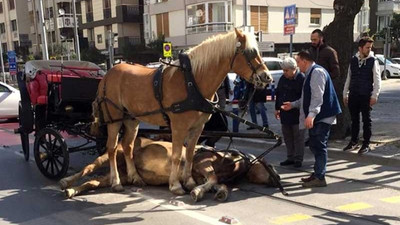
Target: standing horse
{"x":211,"y":169}
{"x":125,"y":97}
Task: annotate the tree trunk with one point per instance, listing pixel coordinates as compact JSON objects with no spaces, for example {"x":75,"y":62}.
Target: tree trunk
{"x":339,"y":35}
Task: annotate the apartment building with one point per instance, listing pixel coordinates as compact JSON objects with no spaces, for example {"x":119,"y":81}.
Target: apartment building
{"x":124,"y":18}
{"x":186,"y":23}
{"x":14,"y":26}
{"x":385,"y":11}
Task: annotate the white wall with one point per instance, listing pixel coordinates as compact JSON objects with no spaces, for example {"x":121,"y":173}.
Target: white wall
{"x":177,"y":23}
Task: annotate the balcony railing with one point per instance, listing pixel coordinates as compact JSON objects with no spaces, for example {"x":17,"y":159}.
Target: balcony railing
{"x":209,"y":28}
{"x":130,"y":13}
{"x":89,"y":17}
{"x":107,"y":13}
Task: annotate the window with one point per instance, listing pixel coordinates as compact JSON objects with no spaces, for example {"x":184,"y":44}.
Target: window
{"x":16,"y":45}
{"x":162,"y":24}
{"x":4,"y":89}
{"x":1,"y":7}
{"x":89,"y":6}
{"x":4,"y":46}
{"x":11,"y":4}
{"x":2,"y":28}
{"x":50,"y":12}
{"x":209,"y":17}
{"x":90,"y":34}
{"x":315,"y":18}
{"x":107,"y":4}
{"x":99,"y":38}
{"x":259,"y":18}
{"x":14,"y":25}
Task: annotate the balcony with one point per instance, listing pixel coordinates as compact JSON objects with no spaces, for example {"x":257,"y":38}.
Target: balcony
{"x":209,"y":28}
{"x":107,"y":13}
{"x":130,"y":13}
{"x":387,"y":8}
{"x":89,"y":17}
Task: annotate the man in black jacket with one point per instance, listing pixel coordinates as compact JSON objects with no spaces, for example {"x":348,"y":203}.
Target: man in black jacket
{"x":289,"y":89}
{"x":323,"y":54}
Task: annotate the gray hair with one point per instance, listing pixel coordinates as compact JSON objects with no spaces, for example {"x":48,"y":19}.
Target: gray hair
{"x":289,"y":63}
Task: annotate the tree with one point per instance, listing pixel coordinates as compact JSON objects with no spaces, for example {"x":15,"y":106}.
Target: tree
{"x":395,"y":30}
{"x":339,"y":35}
{"x":92,"y":54}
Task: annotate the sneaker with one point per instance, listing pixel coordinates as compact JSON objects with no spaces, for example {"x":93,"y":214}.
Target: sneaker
{"x":287,"y":162}
{"x":315,"y":183}
{"x":297,"y":164}
{"x":364,"y":149}
{"x":307,"y":179}
{"x":351,"y":146}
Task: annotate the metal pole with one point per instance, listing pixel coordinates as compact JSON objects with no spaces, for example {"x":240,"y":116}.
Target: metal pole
{"x":245,"y":13}
{"x":111,"y":48}
{"x":78,"y":52}
{"x":2,"y":62}
{"x":291,"y":45}
{"x":45,"y":51}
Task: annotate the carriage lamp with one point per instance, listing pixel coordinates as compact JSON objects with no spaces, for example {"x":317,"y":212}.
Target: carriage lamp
{"x":69,"y":109}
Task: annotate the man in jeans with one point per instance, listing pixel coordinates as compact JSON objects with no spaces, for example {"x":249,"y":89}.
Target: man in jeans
{"x":319,"y":106}
{"x":361,"y":92}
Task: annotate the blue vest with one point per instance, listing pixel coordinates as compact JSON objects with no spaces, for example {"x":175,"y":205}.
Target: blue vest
{"x":361,"y":81}
{"x":330,"y":106}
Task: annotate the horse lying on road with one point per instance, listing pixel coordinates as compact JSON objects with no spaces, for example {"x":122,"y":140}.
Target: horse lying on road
{"x":153,"y":163}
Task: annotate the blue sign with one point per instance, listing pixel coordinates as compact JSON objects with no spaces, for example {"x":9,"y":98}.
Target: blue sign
{"x":289,"y":19}
{"x":12,"y":62}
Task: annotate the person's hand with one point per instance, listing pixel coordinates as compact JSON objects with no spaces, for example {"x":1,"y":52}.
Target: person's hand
{"x":286,"y":106}
{"x":309,"y":122}
{"x":277,"y":114}
{"x":372,"y":101}
{"x":345,"y":101}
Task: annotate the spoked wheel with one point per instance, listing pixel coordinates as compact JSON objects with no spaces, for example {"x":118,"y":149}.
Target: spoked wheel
{"x":51,"y":154}
{"x":23,"y":134}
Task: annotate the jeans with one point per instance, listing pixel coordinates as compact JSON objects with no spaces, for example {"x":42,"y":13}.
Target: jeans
{"x":318,"y":141}
{"x":357,"y":104}
{"x":261,"y":107}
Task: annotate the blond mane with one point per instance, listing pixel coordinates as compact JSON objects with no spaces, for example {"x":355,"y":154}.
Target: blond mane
{"x":213,"y":49}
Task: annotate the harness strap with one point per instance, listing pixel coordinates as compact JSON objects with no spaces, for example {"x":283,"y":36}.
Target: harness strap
{"x":158,"y":93}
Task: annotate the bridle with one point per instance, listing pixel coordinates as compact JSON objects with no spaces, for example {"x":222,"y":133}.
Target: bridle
{"x":250,"y":55}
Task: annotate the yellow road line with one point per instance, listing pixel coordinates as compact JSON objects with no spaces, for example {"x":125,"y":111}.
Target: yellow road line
{"x":395,"y":199}
{"x":354,"y":207}
{"x":291,"y":218}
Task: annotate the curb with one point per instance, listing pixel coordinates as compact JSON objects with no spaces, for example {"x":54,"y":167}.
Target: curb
{"x":336,"y":153}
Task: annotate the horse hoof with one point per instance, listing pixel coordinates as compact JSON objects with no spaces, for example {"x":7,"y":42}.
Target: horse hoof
{"x":117,"y":188}
{"x":69,"y":193}
{"x":196,"y":194}
{"x":190,"y":184}
{"x":177,"y":190}
{"x":63,"y":184}
{"x":139,"y":182}
{"x":221,"y":195}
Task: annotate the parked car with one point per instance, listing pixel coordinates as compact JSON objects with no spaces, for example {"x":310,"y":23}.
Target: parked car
{"x":392,"y":69}
{"x":9,"y":100}
{"x":395,"y":60}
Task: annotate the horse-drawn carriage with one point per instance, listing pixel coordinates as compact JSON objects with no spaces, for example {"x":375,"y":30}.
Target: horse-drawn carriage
{"x":56,"y":97}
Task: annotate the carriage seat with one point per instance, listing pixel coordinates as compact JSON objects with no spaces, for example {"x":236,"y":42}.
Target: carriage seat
{"x":37,"y":89}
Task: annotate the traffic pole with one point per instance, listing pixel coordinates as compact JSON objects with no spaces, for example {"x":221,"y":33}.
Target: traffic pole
{"x":2,"y":63}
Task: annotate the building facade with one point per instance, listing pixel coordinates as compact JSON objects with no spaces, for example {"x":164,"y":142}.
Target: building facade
{"x":186,"y":23}
{"x":123,"y":19}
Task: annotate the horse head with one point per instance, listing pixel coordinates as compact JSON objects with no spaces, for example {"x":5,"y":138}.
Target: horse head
{"x":261,"y":173}
{"x":247,"y":61}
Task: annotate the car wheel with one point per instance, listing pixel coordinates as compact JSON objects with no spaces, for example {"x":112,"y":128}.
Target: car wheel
{"x":385,"y":75}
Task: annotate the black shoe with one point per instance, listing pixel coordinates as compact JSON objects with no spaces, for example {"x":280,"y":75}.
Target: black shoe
{"x":307,"y":143}
{"x":250,"y":128}
{"x":351,"y":146}
{"x":315,"y":182}
{"x":308,"y":179}
{"x":364,"y":149}
{"x":297,"y":164}
{"x":287,"y":162}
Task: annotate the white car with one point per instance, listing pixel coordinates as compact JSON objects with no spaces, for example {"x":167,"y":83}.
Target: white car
{"x":392,"y":69}
{"x":274,"y":66}
{"x":9,"y":100}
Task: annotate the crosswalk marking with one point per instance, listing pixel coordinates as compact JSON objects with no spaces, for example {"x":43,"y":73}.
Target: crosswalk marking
{"x":291,"y":218}
{"x":354,"y":207}
{"x":395,"y":199}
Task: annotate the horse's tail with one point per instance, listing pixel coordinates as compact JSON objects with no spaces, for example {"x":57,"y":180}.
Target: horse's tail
{"x":95,"y":125}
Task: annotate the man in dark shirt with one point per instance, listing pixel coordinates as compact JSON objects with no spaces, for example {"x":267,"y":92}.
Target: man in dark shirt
{"x":289,"y":90}
{"x":323,"y":54}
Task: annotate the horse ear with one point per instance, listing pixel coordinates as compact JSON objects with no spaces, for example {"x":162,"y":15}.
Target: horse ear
{"x":239,"y":34}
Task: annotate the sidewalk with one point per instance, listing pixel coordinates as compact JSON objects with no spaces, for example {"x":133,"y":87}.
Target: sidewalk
{"x":385,"y":144}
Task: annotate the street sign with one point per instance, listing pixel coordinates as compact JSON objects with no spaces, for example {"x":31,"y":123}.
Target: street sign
{"x":267,"y":46}
{"x":289,"y":19}
{"x":12,"y":62}
{"x":167,"y":50}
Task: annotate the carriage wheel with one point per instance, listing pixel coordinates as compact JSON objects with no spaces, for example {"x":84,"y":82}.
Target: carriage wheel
{"x":51,"y":154}
{"x":23,"y":134}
